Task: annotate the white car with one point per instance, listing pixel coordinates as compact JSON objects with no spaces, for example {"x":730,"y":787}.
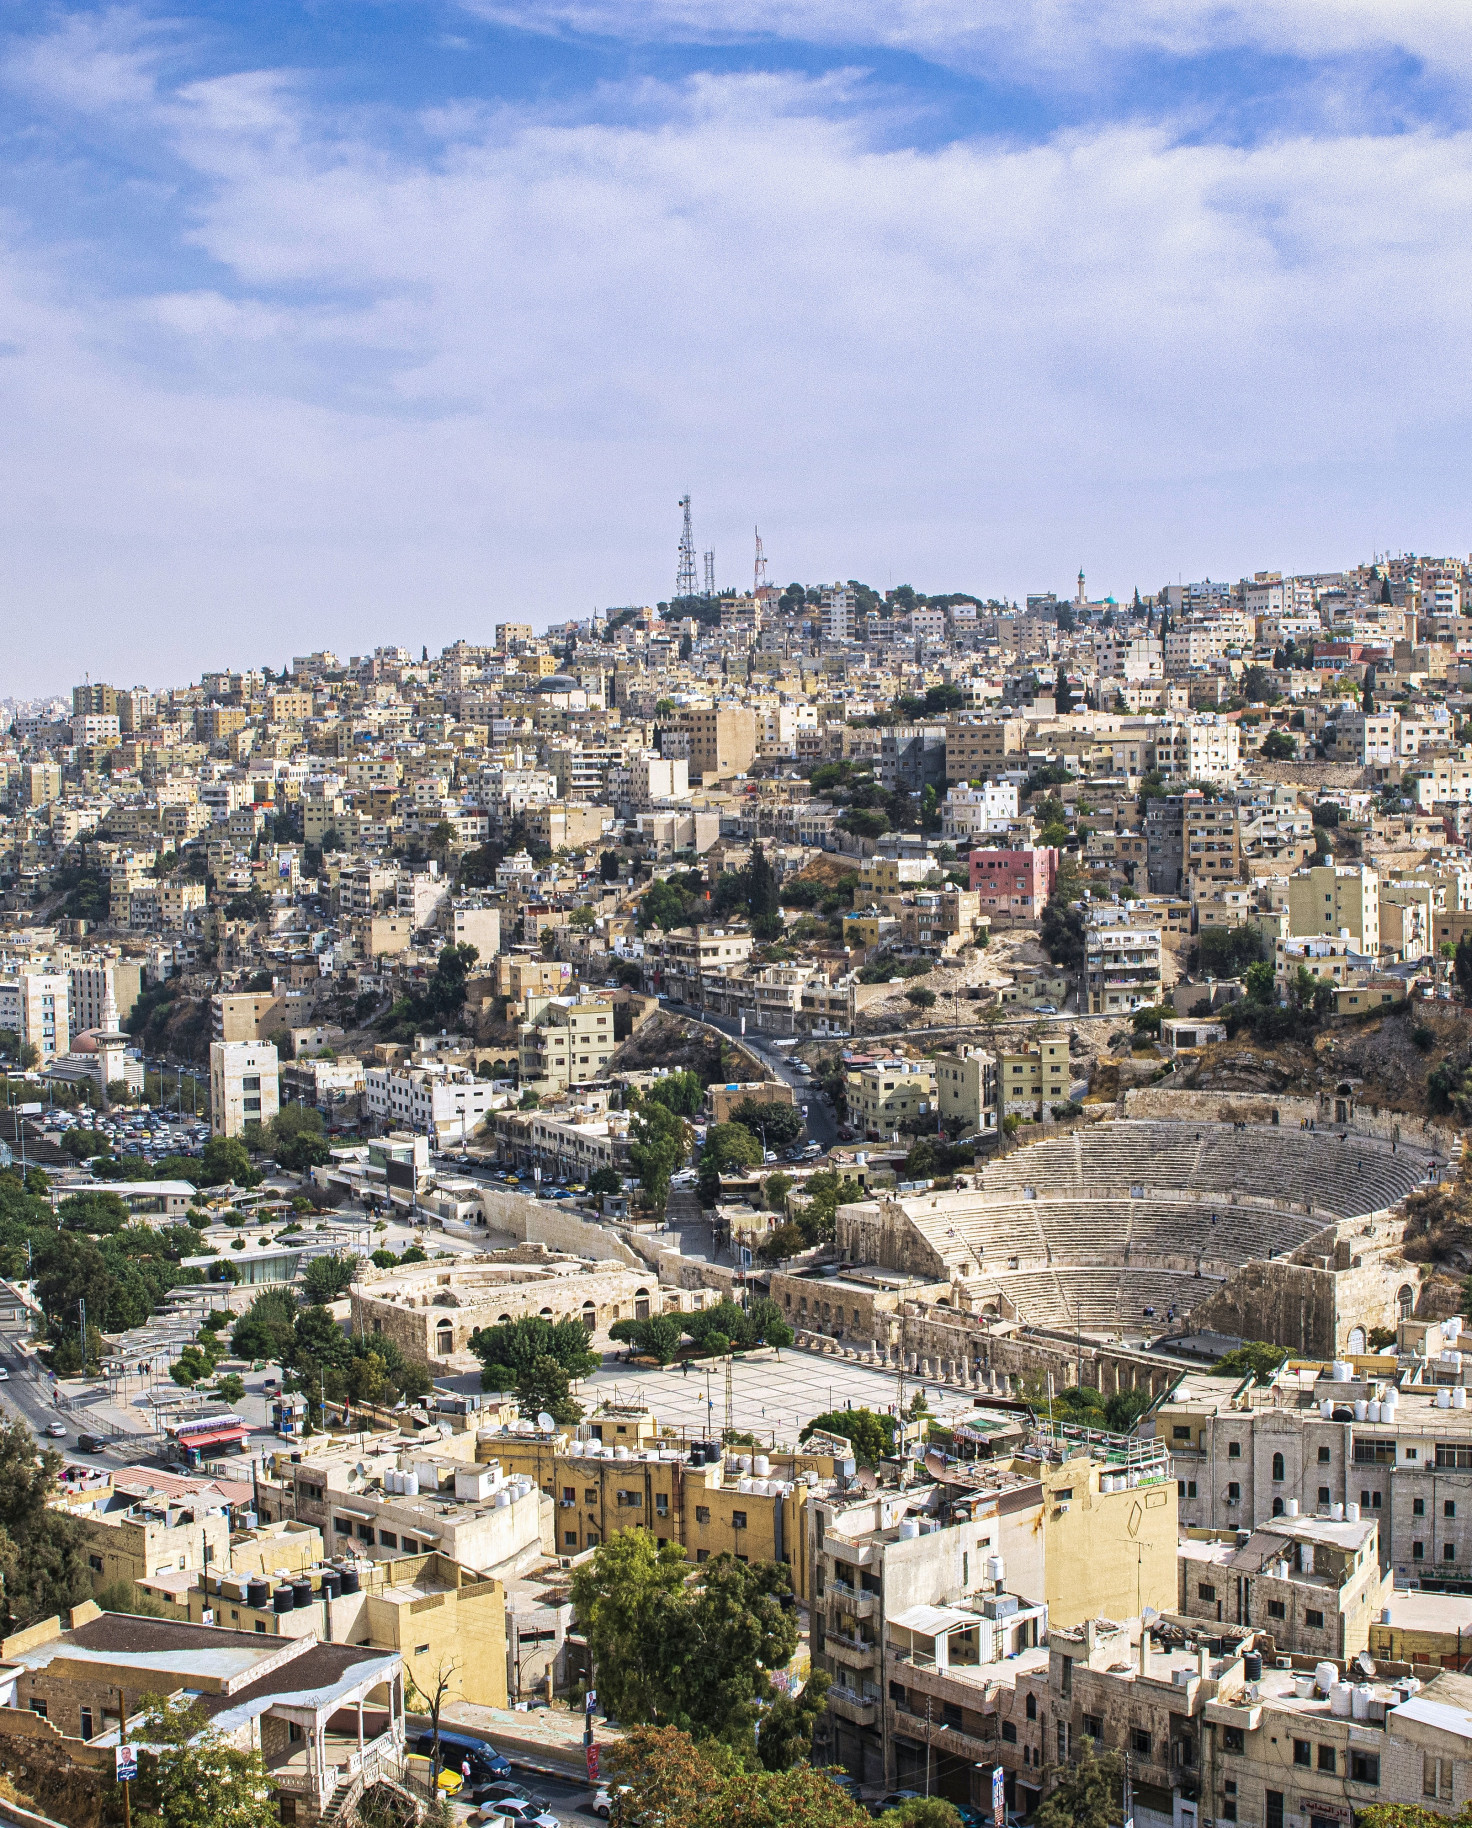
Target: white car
{"x":685,"y":1178}
{"x":602,"y":1804}
{"x":4,"y":1375}
{"x":508,"y":1809}
{"x":57,"y":1430}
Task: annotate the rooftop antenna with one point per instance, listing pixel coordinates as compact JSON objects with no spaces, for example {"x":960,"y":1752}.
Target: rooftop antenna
{"x":685,"y":575}
{"x":710,"y":574}
{"x":759,"y":570}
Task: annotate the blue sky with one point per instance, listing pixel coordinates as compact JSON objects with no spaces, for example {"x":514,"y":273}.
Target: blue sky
{"x":331,"y":322}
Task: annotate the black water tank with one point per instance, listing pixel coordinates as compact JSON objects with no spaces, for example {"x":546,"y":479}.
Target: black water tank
{"x":257,"y":1592}
{"x":302,"y":1592}
{"x":350,"y":1580}
{"x":331,"y":1583}
{"x":283,"y":1599}
{"x":1252,"y":1667}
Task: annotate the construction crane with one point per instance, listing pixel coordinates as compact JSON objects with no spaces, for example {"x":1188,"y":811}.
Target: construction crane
{"x":685,"y":575}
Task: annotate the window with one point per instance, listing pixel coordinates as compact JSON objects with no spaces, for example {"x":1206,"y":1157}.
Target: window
{"x":1448,"y":1551}
{"x":421,"y":1650}
{"x":1328,"y":1759}
{"x":1032,"y":1707}
{"x":1449,"y":1507}
{"x":1205,"y":1592}
{"x":387,"y":1539}
{"x":410,"y":1545}
{"x":1009,"y":1734}
{"x":702,"y":1554}
{"x":1418,"y":1507}
{"x":365,"y":1532}
{"x":569,"y":1494}
{"x":1277,"y":1609}
{"x":1323,"y":1456}
{"x":1454,"y":1453}
{"x":702,"y":1514}
{"x":1323,"y":1494}
{"x":1234,"y":1492}
{"x":86,"y":1717}
{"x":94,"y":1562}
{"x":1374,"y":1453}
{"x":1180,"y":1434}
{"x":738,"y":1520}
{"x":1065,"y":1678}
{"x":631,"y":1501}
{"x":1436,"y":1777}
{"x":1093,"y":1726}
{"x":1234,"y":1739}
{"x":1364,"y":1767}
{"x":1140,"y":1741}
{"x":260,"y":1624}
{"x":1274,"y":1801}
{"x":662,"y":1504}
{"x":1418,"y":1551}
{"x":1234,"y":1450}
{"x":38,"y":1706}
{"x":590,"y":1497}
{"x":1313,"y":1620}
{"x":1062,"y":1740}
{"x":1303,"y":1753}
{"x":1277,"y":1469}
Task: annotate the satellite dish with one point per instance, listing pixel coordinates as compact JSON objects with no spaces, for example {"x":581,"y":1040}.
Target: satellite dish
{"x":935,"y":1463}
{"x":866,"y":1480}
{"x":1149,"y":1615}
{"x":545,"y":1422}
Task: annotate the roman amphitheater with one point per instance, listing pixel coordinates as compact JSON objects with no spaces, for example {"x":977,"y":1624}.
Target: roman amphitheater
{"x":1186,"y":1213}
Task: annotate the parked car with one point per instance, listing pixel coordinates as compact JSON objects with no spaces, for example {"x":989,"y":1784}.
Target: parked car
{"x":504,"y":1791}
{"x":486,"y":1763}
{"x":533,"y":1815}
{"x":4,"y":1375}
{"x":602,"y":1804}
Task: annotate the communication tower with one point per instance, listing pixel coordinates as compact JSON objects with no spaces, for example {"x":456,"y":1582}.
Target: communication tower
{"x":710,"y":574}
{"x":685,"y":575}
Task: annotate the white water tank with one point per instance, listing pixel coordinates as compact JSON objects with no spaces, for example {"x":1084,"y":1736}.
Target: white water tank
{"x":1443,"y":1398}
{"x":1340,"y":1700}
{"x":409,"y":1485}
{"x":1453,"y":1359}
{"x":1303,"y":1687}
{"x":1359,"y":1701}
{"x":1459,"y":1396}
{"x":742,"y":1462}
{"x":1292,"y":1507}
{"x":1326,"y":1410}
{"x":1372,"y":1411}
{"x":1341,"y":1372}
{"x":743,"y":1485}
{"x":995,"y":1570}
{"x":1361,"y":1409}
{"x":620,"y":1452}
{"x":1337,"y":1513}
{"x":909,"y":1527}
{"x":1325,"y":1676}
{"x":391,"y":1480}
{"x":503,"y":1501}
{"x":761,"y":1466}
{"x":1452,"y":1328}
{"x":1351,"y":1513}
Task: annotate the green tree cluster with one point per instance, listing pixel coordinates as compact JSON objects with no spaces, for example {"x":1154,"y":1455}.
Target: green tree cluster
{"x":1259,"y":1356}
{"x":190,"y":1775}
{"x":659,"y":1142}
{"x":534,"y":1357}
{"x":693,"y":1650}
{"x":43,"y":1554}
{"x":441,"y":1003}
{"x":871,"y":1433}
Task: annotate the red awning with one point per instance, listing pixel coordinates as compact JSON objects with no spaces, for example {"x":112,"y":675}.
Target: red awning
{"x":214,"y":1437}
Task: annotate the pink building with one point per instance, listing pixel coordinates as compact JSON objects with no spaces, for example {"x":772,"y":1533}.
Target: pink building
{"x":1014,"y":885}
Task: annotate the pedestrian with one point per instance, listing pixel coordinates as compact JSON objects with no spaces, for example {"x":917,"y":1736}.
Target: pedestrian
{"x":465,"y":1770}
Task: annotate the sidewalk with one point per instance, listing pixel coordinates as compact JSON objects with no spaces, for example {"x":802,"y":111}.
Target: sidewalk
{"x":542,"y":1739}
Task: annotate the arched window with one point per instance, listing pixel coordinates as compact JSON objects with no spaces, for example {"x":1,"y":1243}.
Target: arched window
{"x":1277,"y":1507}
{"x":444,"y":1338}
{"x":1278,"y":1467}
{"x":1356,"y":1341}
{"x":1032,"y":1707}
{"x":1406,"y":1301}
{"x":590,"y":1316}
{"x":546,"y":1313}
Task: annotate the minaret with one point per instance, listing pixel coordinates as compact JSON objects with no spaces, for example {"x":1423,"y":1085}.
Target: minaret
{"x":1081,"y":598}
{"x":112,"y":1043}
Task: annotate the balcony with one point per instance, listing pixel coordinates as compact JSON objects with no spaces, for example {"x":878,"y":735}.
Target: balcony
{"x":855,"y":1601}
{"x":943,"y":1738}
{"x":852,"y":1651}
{"x":299,"y":1772}
{"x":849,"y":1705}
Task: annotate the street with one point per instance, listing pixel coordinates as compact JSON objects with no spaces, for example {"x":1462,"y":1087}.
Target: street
{"x":822,"y":1124}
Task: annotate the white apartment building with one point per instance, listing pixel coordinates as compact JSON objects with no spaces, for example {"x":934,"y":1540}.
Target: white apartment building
{"x":1198,"y":748}
{"x":445,"y":1103}
{"x":36,"y":1005}
{"x":971,"y":812}
{"x":655,"y":777}
{"x":838,"y":613}
{"x":245,"y":1085}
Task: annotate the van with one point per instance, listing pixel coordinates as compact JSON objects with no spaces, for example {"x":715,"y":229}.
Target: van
{"x":89,"y":1444}
{"x":485,"y":1761}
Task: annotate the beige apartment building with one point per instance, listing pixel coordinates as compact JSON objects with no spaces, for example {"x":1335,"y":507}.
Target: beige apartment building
{"x":1336,"y":899}
{"x":721,"y":742}
{"x":244,"y":1085}
{"x":566,"y":1044}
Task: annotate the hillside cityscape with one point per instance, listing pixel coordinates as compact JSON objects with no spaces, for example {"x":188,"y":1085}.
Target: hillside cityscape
{"x":796,"y":1204}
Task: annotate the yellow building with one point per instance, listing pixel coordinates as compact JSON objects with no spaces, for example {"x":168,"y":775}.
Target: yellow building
{"x":1336,"y":899}
{"x":1106,"y":1553}
{"x":1034,"y":1079}
{"x":626,"y":1476}
{"x":882,"y":1098}
{"x":566,"y":1044}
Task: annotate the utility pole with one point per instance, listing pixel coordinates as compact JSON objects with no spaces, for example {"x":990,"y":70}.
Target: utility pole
{"x":730,"y":1361}
{"x":685,"y":572}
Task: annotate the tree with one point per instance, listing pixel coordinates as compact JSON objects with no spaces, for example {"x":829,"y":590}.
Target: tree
{"x":1262,"y":986}
{"x":763,"y":902}
{"x":627,"y":1597}
{"x":1090,"y":1794}
{"x":1227,"y":951}
{"x":1462,"y":966}
{"x":657,"y":1338}
{"x":609,"y":869}
{"x":1279,"y":746}
{"x":920,"y":996}
{"x":1062,"y":692}
{"x":294,"y":1136}
{"x":605,"y":1180}
{"x":230,"y":1388}
{"x":43,"y":1553}
{"x":672,"y":1778}
{"x":226,"y":1160}
{"x":433,"y":1696}
{"x":659,"y":1143}
{"x":871,"y":1434}
{"x":665,"y":906}
{"x":191,"y":1776}
{"x":509,"y":1351}
{"x":778,"y":1125}
{"x":726,"y":1146}
{"x":542,"y":1389}
{"x":922,"y":1812}
{"x":1258,"y":1356}
{"x":681,"y":1091}
{"x":325,"y":1278}
{"x":265,"y":1329}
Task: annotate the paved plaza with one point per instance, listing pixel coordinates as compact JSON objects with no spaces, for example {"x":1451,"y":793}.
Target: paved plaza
{"x":772,"y":1395}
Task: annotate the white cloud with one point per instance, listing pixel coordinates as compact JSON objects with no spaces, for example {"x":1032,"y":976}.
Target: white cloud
{"x":429,"y":388}
{"x":1039,"y":38}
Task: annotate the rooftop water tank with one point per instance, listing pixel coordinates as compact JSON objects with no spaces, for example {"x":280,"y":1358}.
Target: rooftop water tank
{"x":1340,"y":1700}
{"x":1325,"y":1676}
{"x":995,"y":1569}
{"x":1326,"y":1409}
{"x":620,"y":1452}
{"x":350,"y":1581}
{"x":1292,"y":1507}
{"x":761,"y":1466}
{"x":283,"y":1599}
{"x":331,"y":1584}
{"x":1443,"y":1398}
{"x":909,"y":1527}
{"x":1459,"y":1396}
{"x":257,"y":1592}
{"x":1372,"y":1411}
{"x":1252,"y":1666}
{"x":1351,"y":1513}
{"x":1359,"y":1701}
{"x":1361,"y":1409}
{"x":1341,"y":1372}
{"x":1337,"y":1513}
{"x":301,"y":1592}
